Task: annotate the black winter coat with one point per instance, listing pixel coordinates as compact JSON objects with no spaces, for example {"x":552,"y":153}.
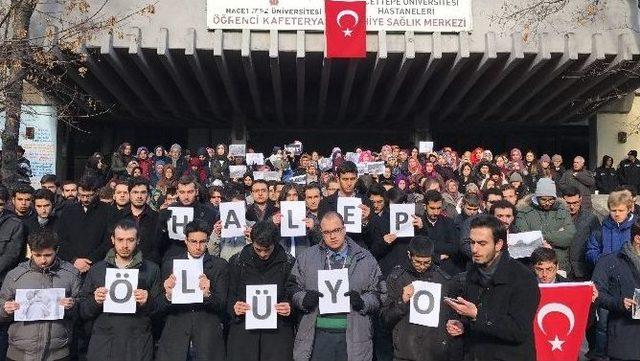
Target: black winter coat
{"x":414,"y":342}
{"x":586,"y":223}
{"x":85,"y":234}
{"x":12,"y":242}
{"x":259,"y":345}
{"x":616,"y":278}
{"x":503,"y":330}
{"x":32,"y":225}
{"x":252,"y":212}
{"x":629,"y":172}
{"x":114,"y":336}
{"x":388,"y":255}
{"x":200,"y":323}
{"x":606,"y":179}
{"x":149,"y":232}
{"x":171,"y":247}
{"x":443,"y":233}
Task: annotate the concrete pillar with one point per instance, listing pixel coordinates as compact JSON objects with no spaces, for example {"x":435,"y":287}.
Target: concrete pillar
{"x":421,"y":135}
{"x":197,"y":137}
{"x":610,"y":124}
{"x":239,"y":130}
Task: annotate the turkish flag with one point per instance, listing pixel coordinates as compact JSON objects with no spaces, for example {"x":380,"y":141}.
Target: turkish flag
{"x":345,"y":29}
{"x":561,"y":320}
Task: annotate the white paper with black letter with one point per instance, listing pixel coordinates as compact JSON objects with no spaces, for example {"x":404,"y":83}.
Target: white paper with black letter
{"x":348,"y":208}
{"x":292,"y":222}
{"x":179,"y":218}
{"x":233,"y":217}
{"x":255,"y":158}
{"x":187,"y":288}
{"x":333,"y":284}
{"x":425,"y":304}
{"x":401,"y":219}
{"x":523,"y":244}
{"x":262,"y":301}
{"x":39,"y":304}
{"x":120,"y":284}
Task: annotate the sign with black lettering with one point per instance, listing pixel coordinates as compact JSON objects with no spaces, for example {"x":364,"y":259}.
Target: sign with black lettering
{"x":292,"y":223}
{"x":262,"y":315}
{"x":401,"y":219}
{"x":233,"y":217}
{"x":187,"y":288}
{"x":349,"y":209}
{"x":255,"y":159}
{"x":120,"y":284}
{"x":333,"y":284}
{"x":424,"y":308}
{"x":180,"y":216}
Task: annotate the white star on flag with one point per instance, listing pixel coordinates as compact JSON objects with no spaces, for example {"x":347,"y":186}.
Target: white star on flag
{"x":347,"y":32}
{"x":556,"y":344}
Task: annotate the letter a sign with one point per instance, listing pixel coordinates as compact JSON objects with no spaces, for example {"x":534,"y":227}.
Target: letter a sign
{"x":187,"y":273}
{"x":333,"y":284}
{"x":262,"y":299}
{"x":233,"y":219}
{"x":425,"y":304}
{"x":180,"y":216}
{"x":120,"y":284}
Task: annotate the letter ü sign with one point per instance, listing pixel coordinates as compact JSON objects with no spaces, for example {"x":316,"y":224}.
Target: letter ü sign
{"x":345,"y":30}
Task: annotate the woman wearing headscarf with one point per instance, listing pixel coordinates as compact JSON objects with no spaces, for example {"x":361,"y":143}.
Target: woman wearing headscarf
{"x":159,"y":153}
{"x":96,"y":169}
{"x":144,"y":162}
{"x":465,"y":174}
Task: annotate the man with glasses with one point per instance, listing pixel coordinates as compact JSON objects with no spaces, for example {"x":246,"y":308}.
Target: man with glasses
{"x":261,"y":209}
{"x":586,"y":222}
{"x":415,"y":342}
{"x":333,"y":337}
{"x":198,"y":324}
{"x":544,"y":213}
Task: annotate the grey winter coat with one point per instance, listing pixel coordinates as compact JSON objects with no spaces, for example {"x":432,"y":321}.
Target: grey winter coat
{"x":364,"y":277}
{"x":40,"y":340}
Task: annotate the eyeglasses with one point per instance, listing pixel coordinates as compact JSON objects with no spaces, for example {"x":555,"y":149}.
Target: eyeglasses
{"x":546,"y":200}
{"x":332,"y":232}
{"x":423,"y":263}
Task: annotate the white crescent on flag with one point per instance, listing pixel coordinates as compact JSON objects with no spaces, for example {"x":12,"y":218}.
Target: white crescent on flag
{"x":347,"y":12}
{"x":555,"y":307}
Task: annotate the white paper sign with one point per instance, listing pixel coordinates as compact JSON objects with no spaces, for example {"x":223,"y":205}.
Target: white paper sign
{"x":293,"y":215}
{"x":523,"y":244}
{"x":237,"y":171}
{"x":233,"y":217}
{"x":299,"y":179}
{"x":375,"y":168}
{"x":401,"y":219}
{"x":348,"y":208}
{"x":272,"y":176}
{"x":39,"y":304}
{"x":425,"y":147}
{"x":180,"y":216}
{"x":333,"y":284}
{"x":425,"y":304}
{"x":258,"y":175}
{"x":120,"y":284}
{"x":255,"y":159}
{"x":262,"y":299}
{"x":362,"y":169}
{"x":635,"y":311}
{"x":237,"y":150}
{"x":187,"y":289}
{"x":352,"y":157}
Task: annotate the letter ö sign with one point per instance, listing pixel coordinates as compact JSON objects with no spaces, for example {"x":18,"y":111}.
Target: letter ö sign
{"x":120,"y":284}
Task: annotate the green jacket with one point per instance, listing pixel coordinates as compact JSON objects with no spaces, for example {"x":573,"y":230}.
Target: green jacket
{"x":556,"y":225}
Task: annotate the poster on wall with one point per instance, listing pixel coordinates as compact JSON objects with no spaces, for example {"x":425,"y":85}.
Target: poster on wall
{"x":38,"y":136}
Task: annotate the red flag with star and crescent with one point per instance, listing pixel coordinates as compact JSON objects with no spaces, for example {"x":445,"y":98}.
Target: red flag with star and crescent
{"x":561,"y":320}
{"x":345,"y":29}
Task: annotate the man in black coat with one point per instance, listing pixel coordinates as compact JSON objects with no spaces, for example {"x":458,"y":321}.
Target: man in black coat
{"x":121,"y":336}
{"x":262,"y":262}
{"x":586,"y":222}
{"x":198,"y":323}
{"x":441,"y":230}
{"x":187,"y":197}
{"x":500,"y":299}
{"x":347,"y":177}
{"x":43,"y":203}
{"x":146,"y":218}
{"x":83,"y":228}
{"x":415,"y":342}
{"x":262,"y":208}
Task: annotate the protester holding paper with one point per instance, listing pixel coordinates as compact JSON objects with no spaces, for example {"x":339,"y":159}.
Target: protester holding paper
{"x":127,"y":335}
{"x":198,"y":323}
{"x":334,"y":336}
{"x":41,"y":340}
{"x":263,"y":262}
{"x":414,"y":342}
{"x":617,"y":276}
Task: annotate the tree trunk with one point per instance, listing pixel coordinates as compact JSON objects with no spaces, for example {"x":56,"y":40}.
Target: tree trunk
{"x":18,"y":46}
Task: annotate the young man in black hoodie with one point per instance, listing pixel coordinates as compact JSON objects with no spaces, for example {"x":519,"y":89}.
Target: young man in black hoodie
{"x":199,"y":324}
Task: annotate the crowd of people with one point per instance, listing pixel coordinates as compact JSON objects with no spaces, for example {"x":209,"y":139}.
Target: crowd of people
{"x":67,"y":233}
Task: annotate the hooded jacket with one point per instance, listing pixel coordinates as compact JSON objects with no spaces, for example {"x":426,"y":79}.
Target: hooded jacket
{"x":40,"y":340}
{"x":12,"y":242}
{"x":556,"y":225}
{"x":415,"y":342}
{"x":119,"y":336}
{"x":609,"y":238}
{"x":364,"y":277}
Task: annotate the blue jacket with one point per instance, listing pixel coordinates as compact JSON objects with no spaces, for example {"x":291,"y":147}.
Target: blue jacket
{"x":609,"y":239}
